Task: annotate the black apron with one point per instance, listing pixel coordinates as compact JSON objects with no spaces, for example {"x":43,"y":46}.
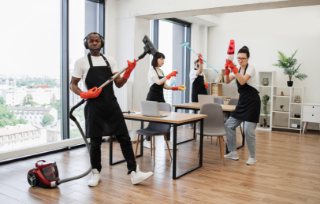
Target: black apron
{"x":249,"y":104}
{"x":156,"y":91}
{"x":103,"y":116}
{"x":198,"y":88}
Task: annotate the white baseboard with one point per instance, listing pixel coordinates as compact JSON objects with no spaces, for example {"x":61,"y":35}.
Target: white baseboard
{"x":40,"y":148}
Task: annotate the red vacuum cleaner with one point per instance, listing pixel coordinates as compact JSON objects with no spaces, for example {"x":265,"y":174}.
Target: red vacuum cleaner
{"x":46,"y":175}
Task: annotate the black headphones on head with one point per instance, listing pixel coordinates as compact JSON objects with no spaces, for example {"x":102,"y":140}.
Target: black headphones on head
{"x":85,"y":40}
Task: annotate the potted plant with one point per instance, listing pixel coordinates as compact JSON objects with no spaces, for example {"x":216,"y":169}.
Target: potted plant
{"x":288,"y":64}
{"x":265,"y":100}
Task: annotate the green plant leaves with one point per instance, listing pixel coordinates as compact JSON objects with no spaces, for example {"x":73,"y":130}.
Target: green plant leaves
{"x":288,"y":66}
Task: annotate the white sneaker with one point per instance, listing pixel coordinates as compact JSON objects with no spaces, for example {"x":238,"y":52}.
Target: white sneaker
{"x":251,"y":161}
{"x":232,"y":155}
{"x":95,"y":178}
{"x":138,"y":176}
{"x":170,"y":145}
{"x":147,"y":144}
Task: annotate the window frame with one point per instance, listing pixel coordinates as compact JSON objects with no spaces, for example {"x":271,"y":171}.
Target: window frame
{"x":186,"y":61}
{"x":64,"y":79}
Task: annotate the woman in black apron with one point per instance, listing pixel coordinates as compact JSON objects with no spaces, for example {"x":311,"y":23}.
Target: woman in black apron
{"x":248,"y":107}
{"x":103,"y":116}
{"x":157,"y":82}
{"x":199,"y":86}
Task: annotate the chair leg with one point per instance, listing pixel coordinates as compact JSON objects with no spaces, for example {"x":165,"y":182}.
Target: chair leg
{"x":222,"y":150}
{"x":241,"y":130}
{"x":218,"y":141}
{"x":199,"y":153}
{"x":151,"y":146}
{"x":154,"y":151}
{"x":137,"y":146}
{"x":165,"y":138}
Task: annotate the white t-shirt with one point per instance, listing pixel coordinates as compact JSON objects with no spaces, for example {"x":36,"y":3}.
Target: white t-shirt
{"x":193,"y":75}
{"x":252,"y":81}
{"x":152,"y":72}
{"x":82,"y":66}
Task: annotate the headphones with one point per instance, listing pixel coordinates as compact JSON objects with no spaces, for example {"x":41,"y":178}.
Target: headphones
{"x":85,"y":40}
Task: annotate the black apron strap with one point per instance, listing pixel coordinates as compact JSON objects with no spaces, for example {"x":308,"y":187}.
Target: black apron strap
{"x":89,"y":59}
{"x":105,"y":59}
{"x":158,"y":74}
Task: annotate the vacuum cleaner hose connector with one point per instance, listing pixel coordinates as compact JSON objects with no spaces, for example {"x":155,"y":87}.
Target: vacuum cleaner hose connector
{"x":143,"y":55}
{"x":54,"y":184}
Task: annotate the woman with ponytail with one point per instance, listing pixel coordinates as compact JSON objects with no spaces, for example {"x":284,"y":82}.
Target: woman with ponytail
{"x":248,"y":107}
{"x":157,"y":82}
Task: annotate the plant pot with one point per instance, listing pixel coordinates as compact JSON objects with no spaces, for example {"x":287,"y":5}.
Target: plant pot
{"x":264,"y":122}
{"x":268,"y":126}
{"x":290,"y":83}
{"x":261,"y":125}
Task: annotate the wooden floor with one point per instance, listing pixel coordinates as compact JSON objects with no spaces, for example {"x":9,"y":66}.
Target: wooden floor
{"x":288,"y":171}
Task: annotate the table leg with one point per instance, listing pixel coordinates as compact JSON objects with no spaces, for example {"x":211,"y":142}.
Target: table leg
{"x":201,"y":143}
{"x":174,"y":172}
{"x":111,"y":153}
{"x":141,"y":141}
{"x":194,"y":132}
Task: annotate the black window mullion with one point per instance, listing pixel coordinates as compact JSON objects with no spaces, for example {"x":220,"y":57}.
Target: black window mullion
{"x":64,"y":102}
{"x":101,"y":21}
{"x":187,"y":82}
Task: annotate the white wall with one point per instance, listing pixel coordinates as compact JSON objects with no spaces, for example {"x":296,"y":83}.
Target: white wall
{"x":265,"y":32}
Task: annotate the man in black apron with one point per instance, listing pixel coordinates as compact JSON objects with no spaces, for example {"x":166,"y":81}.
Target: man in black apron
{"x":248,"y":107}
{"x":103,"y":116}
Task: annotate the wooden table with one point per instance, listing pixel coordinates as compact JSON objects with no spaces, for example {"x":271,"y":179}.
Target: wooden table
{"x":195,"y":106}
{"x":174,"y":119}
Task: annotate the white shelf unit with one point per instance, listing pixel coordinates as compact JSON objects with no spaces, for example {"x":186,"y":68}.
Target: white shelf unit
{"x":266,"y":90}
{"x":284,"y":119}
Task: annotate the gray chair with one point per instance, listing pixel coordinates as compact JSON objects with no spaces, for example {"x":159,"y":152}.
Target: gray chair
{"x":156,"y":129}
{"x":233,"y":101}
{"x":218,"y":100}
{"x":213,"y":125}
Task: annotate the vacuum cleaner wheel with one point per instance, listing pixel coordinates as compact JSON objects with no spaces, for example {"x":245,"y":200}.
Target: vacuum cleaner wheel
{"x":32,"y":179}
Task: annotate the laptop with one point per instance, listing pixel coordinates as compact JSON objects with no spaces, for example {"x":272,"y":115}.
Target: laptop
{"x":150,"y":108}
{"x":205,"y":99}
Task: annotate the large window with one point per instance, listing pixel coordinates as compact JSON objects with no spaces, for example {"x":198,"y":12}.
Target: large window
{"x":30,"y":74}
{"x":167,"y":35}
{"x":36,"y":38}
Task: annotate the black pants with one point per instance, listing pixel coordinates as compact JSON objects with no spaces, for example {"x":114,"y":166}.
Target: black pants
{"x":167,"y":135}
{"x":126,"y":148}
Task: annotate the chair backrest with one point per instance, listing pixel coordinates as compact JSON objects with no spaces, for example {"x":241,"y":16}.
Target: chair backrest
{"x":205,"y":99}
{"x":164,"y":107}
{"x":161,"y":127}
{"x":215,"y":115}
{"x":233,"y":101}
{"x":218,"y":100}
